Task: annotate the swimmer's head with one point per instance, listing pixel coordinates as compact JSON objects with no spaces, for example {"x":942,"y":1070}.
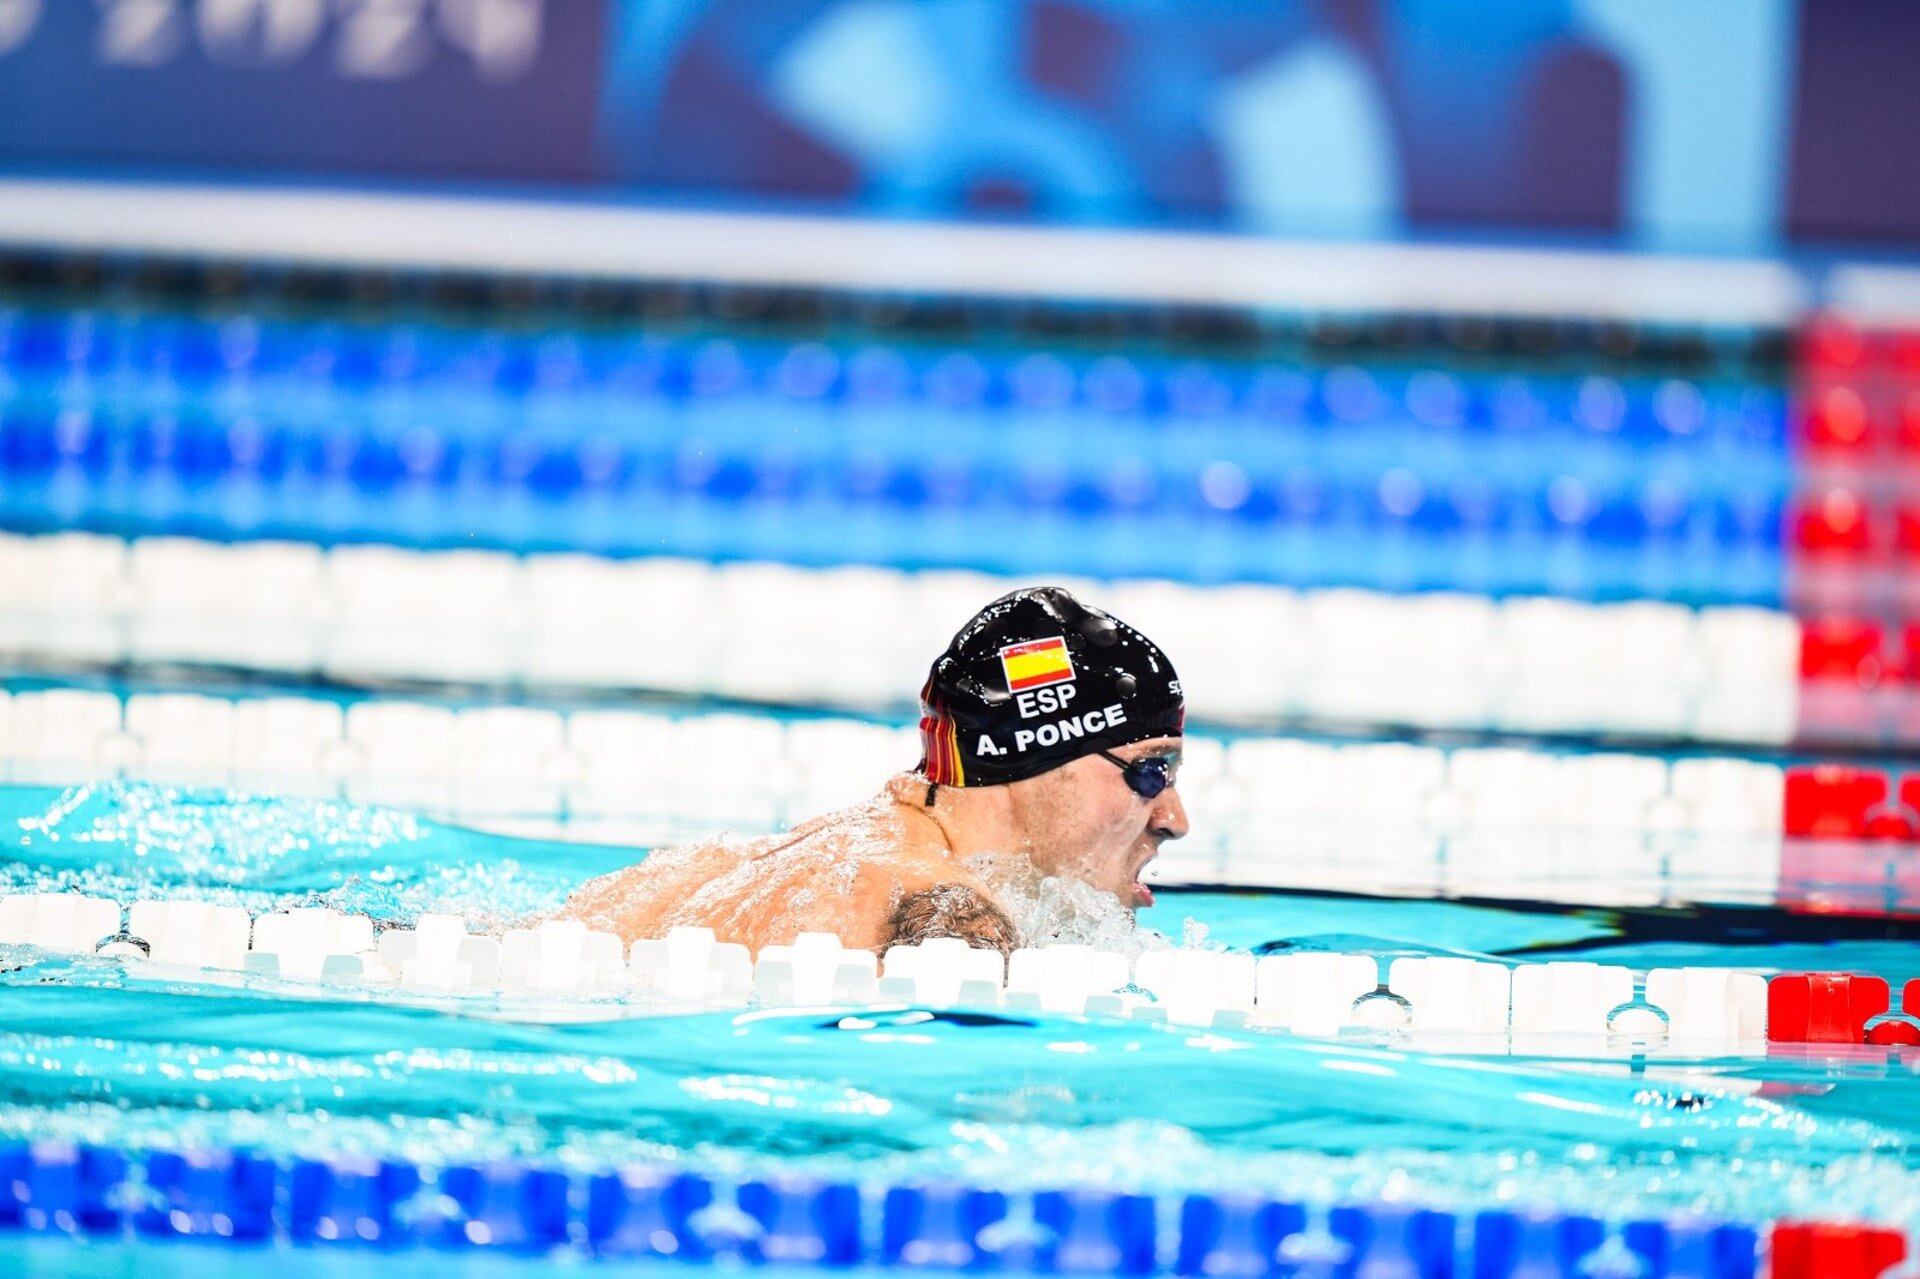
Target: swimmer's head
{"x":1079,"y":716}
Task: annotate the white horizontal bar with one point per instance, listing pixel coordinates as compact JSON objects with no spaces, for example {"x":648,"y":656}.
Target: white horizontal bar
{"x":1601,"y":828}
{"x":1248,"y":655}
{"x":582,"y":239}
{"x":1874,"y":295}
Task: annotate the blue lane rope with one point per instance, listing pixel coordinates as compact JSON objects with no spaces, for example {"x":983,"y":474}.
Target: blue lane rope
{"x":662,"y":1212}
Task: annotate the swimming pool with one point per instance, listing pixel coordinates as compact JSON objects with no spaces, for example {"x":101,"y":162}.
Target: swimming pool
{"x":1018,"y":1099}
{"x":1573,"y":673}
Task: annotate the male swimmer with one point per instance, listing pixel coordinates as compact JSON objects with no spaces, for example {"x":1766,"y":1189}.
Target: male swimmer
{"x":1048,"y":729}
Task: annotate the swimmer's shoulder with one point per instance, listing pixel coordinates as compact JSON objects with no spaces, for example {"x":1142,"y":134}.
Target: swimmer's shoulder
{"x":936,"y":896}
{"x":925,"y":894}
{"x":950,"y":908}
{"x":885,"y":877}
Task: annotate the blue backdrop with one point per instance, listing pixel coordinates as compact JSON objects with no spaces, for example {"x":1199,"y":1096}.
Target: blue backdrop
{"x":1735,"y":125}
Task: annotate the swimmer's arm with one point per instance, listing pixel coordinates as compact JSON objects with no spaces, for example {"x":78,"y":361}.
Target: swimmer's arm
{"x":950,"y":910}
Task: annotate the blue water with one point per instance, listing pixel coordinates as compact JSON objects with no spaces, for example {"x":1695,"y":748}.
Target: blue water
{"x":87,"y":1051}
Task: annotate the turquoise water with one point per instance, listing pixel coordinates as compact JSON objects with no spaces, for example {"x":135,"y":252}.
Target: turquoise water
{"x":1007,"y":1099}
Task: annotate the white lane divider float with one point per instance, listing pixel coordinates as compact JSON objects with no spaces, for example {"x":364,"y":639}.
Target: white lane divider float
{"x":943,"y":972}
{"x":1365,"y":815}
{"x":559,"y":956}
{"x":1710,"y":1008}
{"x":310,"y":942}
{"x":1312,"y":992}
{"x":69,"y":923}
{"x":1198,"y":987}
{"x":1448,"y":995}
{"x":192,"y":934}
{"x":815,"y":969}
{"x":1568,"y":1004}
{"x":1438,"y":659}
{"x":438,"y":954}
{"x":1433,"y":1003}
{"x":1065,"y":979}
{"x":689,"y":967}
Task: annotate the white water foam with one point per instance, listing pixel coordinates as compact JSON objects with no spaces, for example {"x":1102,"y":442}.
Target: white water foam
{"x":1050,"y":909}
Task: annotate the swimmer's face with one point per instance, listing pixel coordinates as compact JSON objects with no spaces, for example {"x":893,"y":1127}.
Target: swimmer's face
{"x":1084,"y":821}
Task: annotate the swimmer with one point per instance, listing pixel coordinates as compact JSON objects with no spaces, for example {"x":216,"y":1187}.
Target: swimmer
{"x":1048,"y":729}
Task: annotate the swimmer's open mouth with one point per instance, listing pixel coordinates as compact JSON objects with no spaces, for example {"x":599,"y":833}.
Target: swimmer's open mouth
{"x":1142,"y":895}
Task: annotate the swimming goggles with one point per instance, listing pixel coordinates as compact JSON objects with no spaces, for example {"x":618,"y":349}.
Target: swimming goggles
{"x":1145,"y":777}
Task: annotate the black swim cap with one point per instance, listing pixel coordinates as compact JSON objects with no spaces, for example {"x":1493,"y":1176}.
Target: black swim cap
{"x":1035,"y":680}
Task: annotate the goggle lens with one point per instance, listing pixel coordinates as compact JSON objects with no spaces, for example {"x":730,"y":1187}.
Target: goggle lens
{"x":1147,"y":777}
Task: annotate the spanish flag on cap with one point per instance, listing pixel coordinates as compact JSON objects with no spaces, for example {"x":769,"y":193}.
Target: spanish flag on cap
{"x":1036,"y":664}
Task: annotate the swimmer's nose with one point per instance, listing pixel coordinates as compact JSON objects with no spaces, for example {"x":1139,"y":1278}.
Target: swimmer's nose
{"x":1169,"y":817}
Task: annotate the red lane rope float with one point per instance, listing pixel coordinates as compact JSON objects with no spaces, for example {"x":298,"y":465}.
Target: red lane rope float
{"x":1828,"y":1250}
{"x":1832,"y":801}
{"x":1837,"y":1008}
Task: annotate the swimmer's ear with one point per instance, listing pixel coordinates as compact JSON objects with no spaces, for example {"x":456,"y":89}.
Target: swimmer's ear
{"x":951,"y":910}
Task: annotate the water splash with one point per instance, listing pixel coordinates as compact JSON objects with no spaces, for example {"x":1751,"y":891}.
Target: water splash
{"x":129,"y":840}
{"x":211,"y":838}
{"x":1047,"y":909}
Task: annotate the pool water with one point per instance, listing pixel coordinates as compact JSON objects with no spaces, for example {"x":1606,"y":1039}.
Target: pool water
{"x":1008,"y":1099}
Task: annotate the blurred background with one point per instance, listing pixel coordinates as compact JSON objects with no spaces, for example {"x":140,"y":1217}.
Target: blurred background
{"x":593,"y":416}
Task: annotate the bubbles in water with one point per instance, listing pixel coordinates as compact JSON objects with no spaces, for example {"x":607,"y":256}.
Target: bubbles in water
{"x":129,"y":840}
{"x":1047,"y":909}
{"x":193,"y":836}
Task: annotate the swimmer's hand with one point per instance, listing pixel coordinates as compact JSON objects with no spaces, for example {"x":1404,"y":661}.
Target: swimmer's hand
{"x":951,"y":910}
